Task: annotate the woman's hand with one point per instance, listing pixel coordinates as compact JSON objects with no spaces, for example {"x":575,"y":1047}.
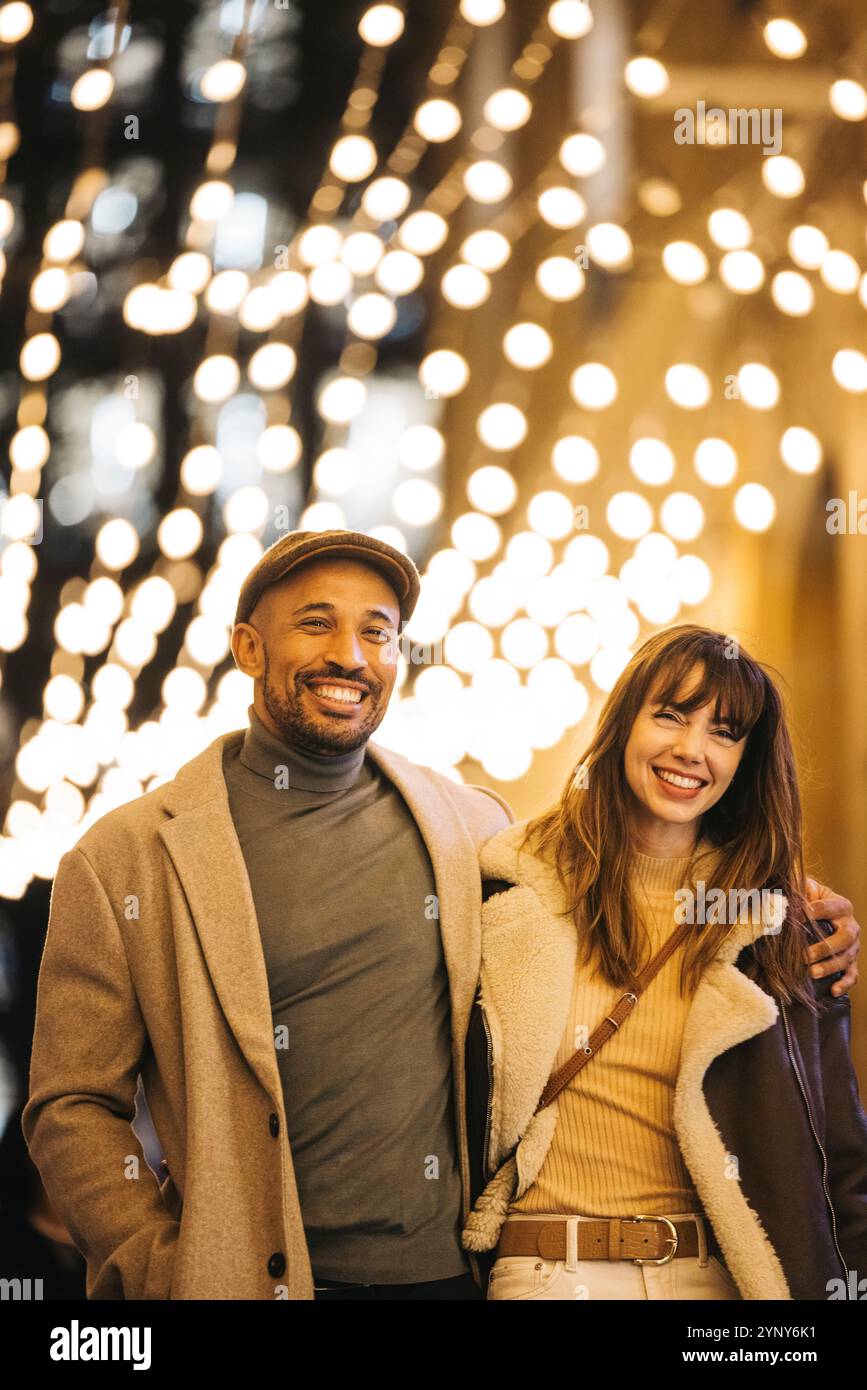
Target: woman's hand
{"x":839,"y":951}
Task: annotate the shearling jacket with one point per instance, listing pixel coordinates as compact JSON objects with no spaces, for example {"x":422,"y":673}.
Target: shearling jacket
{"x":153,"y":965}
{"x":766,"y":1107}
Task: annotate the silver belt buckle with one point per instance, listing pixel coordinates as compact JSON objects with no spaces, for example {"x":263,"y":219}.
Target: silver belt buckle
{"x":672,"y":1238}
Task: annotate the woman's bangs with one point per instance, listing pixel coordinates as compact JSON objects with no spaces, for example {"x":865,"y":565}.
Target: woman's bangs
{"x":735,"y":685}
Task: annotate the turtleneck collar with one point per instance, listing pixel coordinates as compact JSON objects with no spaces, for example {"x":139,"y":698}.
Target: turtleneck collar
{"x":659,"y":874}
{"x":264,"y":754}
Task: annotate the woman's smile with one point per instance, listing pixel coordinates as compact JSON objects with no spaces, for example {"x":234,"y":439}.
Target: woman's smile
{"x":680,"y":786}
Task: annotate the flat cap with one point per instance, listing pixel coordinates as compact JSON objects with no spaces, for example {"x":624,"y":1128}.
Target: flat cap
{"x":295,"y":547}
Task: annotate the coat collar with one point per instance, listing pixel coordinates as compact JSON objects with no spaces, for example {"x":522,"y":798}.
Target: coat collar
{"x":502,"y":857}
{"x":201,"y":840}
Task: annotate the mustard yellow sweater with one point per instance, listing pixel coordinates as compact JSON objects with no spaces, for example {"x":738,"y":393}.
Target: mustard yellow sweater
{"x":614,"y":1151}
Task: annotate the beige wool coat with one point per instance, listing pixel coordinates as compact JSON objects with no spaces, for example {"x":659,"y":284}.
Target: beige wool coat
{"x":527,"y":938}
{"x":153,"y":965}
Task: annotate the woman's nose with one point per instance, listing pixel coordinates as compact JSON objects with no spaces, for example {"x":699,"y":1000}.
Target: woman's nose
{"x":689,"y":745}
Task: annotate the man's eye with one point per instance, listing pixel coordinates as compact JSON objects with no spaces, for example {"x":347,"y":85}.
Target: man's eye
{"x":310,"y":622}
{"x":380,"y":634}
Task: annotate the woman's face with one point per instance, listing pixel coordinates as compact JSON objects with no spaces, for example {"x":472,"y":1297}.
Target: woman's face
{"x":679,"y":765}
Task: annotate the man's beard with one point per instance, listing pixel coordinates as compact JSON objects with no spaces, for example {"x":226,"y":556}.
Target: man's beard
{"x":296,"y":727}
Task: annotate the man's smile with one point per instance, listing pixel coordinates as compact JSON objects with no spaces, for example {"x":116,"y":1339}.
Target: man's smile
{"x":338,"y":695}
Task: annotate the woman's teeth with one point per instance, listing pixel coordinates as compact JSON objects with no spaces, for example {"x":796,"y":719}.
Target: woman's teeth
{"x":689,"y":783}
{"x":338,"y":692}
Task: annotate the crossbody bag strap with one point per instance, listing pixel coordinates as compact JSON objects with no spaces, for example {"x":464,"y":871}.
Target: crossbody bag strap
{"x":610,"y":1024}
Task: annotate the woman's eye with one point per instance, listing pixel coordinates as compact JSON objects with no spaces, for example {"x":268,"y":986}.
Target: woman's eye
{"x":727,"y":733}
{"x":666,"y":714}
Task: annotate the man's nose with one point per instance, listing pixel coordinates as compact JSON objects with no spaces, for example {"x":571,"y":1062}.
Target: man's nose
{"x":343,"y":648}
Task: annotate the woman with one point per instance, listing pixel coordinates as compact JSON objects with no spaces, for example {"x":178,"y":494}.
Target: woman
{"x":714,"y":1145}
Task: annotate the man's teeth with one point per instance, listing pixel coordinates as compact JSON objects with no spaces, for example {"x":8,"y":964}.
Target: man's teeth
{"x":339,"y":692}
{"x":688,"y":782}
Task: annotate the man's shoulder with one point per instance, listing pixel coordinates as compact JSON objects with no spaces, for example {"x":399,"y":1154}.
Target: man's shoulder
{"x":472,"y":799}
{"x":121,"y":834}
{"x":134,"y":824}
{"x":469,"y":794}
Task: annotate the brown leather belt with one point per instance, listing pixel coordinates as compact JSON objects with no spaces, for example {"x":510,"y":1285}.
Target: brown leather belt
{"x":644,"y":1239}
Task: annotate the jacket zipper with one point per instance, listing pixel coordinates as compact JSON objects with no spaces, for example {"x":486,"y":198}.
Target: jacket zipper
{"x":490,"y":1092}
{"x":797,"y":1072}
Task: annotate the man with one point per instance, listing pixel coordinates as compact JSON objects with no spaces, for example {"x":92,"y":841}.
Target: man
{"x":284,"y":942}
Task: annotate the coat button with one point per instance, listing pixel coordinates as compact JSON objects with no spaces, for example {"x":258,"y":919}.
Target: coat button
{"x":274,"y":1124}
{"x":277,"y":1264}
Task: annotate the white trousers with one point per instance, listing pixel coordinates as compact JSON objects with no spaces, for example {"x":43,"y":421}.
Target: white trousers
{"x":529,"y":1276}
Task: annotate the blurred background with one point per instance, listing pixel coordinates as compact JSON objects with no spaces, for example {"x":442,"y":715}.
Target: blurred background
{"x":566,"y":300}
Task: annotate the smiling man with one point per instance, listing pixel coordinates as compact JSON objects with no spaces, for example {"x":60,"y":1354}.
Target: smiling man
{"x":283,"y":943}
{"x":345,"y":898}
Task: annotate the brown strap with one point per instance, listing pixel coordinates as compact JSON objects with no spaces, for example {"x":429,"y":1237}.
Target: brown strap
{"x":610,"y":1024}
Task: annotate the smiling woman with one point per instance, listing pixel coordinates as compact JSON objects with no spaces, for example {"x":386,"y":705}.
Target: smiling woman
{"x":693,"y":705}
{"x":680,"y":751}
{"x":734,"y":1053}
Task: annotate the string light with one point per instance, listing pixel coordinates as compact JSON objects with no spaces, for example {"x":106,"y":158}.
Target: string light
{"x":792,"y":293}
{"x":785,"y":38}
{"x":783,"y":176}
{"x":570,"y":19}
{"x":381,"y":25}
{"x":800,"y":450}
{"x":807,"y":246}
{"x":437,"y":120}
{"x":754,"y":507}
{"x":16,"y":21}
{"x":646,"y":77}
{"x":562,"y":207}
{"x":840,"y":272}
{"x":848,"y":100}
{"x":716,"y":462}
{"x":729,"y":229}
{"x":609,"y":245}
{"x":685,"y":262}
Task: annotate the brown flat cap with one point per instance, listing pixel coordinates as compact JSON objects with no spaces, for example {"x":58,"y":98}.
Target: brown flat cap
{"x":297,"y":546}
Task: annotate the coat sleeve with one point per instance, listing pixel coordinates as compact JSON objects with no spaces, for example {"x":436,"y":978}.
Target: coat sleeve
{"x":845,"y":1130}
{"x":88,"y":1044}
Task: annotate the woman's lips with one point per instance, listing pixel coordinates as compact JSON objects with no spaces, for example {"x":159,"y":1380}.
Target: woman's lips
{"x":678,"y":793}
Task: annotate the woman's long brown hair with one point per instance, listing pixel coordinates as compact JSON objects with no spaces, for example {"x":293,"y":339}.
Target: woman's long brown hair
{"x":755,"y":828}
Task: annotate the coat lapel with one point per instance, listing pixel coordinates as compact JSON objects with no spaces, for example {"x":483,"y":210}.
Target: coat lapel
{"x":728,"y":1008}
{"x":528,"y":964}
{"x":203,"y":845}
{"x":455,"y":864}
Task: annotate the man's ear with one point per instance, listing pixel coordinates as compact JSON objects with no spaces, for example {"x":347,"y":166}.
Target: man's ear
{"x":246,"y":649}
